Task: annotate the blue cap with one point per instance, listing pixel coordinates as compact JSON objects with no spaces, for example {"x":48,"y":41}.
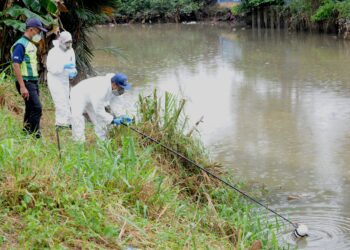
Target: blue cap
{"x":35,"y":23}
{"x":122,"y":80}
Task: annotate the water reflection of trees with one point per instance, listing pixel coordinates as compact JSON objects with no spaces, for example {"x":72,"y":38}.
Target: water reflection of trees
{"x":302,"y":59}
{"x":274,"y":121}
{"x":266,"y":139}
{"x":151,"y":50}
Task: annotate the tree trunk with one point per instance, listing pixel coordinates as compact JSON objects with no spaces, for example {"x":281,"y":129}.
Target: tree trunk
{"x":265,"y":17}
{"x":177,"y":16}
{"x":253,"y":18}
{"x":272,"y":17}
{"x":8,"y":4}
{"x":315,"y":4}
{"x":347,"y":30}
{"x":285,"y":23}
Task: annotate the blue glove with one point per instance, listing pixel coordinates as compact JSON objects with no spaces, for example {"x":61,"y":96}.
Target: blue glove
{"x":73,"y":73}
{"x":126,"y":119}
{"x":117,"y":121}
{"x":122,"y":120}
{"x":69,"y":66}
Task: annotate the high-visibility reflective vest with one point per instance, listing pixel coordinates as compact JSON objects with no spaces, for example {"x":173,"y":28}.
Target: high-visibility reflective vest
{"x":29,"y":66}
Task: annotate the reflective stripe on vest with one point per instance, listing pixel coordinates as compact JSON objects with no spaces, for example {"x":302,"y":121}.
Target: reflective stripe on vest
{"x":29,"y":66}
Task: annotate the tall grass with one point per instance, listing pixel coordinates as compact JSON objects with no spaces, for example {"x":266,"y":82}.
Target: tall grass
{"x":119,"y":193}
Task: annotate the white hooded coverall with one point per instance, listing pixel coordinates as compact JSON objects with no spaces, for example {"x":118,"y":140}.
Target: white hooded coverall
{"x":91,"y":96}
{"x":58,"y":78}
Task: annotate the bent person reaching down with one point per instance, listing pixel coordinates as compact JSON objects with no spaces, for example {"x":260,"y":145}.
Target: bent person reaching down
{"x":91,"y":96}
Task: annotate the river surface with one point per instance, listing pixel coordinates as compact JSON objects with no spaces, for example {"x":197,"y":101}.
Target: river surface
{"x":275,"y":107}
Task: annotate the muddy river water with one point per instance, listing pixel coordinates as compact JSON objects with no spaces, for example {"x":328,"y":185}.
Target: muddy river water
{"x":275,"y":107}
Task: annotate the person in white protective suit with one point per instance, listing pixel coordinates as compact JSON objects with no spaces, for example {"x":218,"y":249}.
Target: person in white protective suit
{"x":91,"y":96}
{"x":61,"y":68}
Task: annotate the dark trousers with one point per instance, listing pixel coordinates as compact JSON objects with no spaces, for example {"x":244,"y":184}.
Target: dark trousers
{"x":33,"y":111}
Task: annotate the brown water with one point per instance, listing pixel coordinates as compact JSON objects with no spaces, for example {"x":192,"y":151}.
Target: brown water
{"x":276,"y":109}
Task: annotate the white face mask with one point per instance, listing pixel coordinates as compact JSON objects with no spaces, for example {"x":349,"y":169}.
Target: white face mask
{"x":65,"y":46}
{"x":68,"y":46}
{"x":37,"y":38}
{"x":117,"y":92}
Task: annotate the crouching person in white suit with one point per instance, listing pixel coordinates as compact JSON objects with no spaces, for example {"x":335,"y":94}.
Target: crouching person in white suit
{"x":91,"y":96}
{"x":61,"y":68}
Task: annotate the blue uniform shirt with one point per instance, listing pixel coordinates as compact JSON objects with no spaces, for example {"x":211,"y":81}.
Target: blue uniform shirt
{"x":18,"y":54}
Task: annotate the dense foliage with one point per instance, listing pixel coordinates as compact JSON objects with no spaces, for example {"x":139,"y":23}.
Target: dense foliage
{"x":256,"y":3}
{"x":322,"y":15}
{"x":330,"y":9}
{"x":149,"y":9}
{"x":77,"y":16}
{"x":315,"y":10}
{"x":319,"y":15}
{"x":12,"y":21}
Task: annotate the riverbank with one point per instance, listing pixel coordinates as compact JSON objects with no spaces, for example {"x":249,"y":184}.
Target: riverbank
{"x":168,"y":13}
{"x":299,"y":15}
{"x":296,"y":15}
{"x":125,"y":192}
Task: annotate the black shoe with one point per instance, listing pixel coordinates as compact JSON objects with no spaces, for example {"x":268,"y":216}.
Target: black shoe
{"x":37,"y":134}
{"x":26,"y":131}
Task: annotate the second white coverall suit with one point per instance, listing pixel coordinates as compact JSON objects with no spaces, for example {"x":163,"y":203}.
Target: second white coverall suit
{"x":58,"y":78}
{"x":91,"y":96}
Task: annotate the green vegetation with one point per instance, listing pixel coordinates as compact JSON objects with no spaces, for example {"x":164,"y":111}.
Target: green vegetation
{"x":321,"y":15}
{"x":12,"y":20}
{"x":118,"y":193}
{"x":343,"y":9}
{"x":78,"y":17}
{"x":320,"y":10}
{"x":257,"y":3}
{"x":157,"y":9}
{"x":329,"y":10}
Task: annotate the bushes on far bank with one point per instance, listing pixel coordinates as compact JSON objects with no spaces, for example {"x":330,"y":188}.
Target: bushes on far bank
{"x":331,"y":16}
{"x":148,"y":10}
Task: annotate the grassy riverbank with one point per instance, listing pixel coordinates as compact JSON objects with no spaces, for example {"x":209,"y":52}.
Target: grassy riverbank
{"x":119,"y":193}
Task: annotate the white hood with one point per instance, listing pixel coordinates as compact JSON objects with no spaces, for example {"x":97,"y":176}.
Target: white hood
{"x":56,"y":43}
